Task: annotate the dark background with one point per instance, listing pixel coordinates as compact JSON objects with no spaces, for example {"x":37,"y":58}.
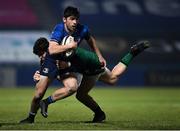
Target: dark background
{"x":116,"y":25}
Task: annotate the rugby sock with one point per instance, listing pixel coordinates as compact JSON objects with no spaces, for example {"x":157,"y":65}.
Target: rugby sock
{"x":49,"y":100}
{"x":127,"y":59}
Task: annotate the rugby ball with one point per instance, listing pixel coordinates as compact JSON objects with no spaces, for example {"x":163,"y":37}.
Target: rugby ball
{"x":66,"y":40}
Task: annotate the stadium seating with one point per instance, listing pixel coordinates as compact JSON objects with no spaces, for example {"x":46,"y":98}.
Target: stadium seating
{"x":17,"y":13}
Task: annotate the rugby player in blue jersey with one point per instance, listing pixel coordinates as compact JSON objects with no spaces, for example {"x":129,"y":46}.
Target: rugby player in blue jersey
{"x":70,"y":26}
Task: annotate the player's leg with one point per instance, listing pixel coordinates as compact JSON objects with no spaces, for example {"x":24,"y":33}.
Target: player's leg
{"x":82,"y":95}
{"x":40,"y":90}
{"x":70,"y":82}
{"x":47,"y":74}
{"x":111,"y":77}
{"x":70,"y":87}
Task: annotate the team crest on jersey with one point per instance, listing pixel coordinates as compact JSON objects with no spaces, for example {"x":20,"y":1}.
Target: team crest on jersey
{"x":45,"y":70}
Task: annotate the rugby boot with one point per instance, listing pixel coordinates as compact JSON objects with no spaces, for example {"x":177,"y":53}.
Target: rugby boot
{"x":139,"y":47}
{"x":28,"y":120}
{"x":44,"y":108}
{"x":99,"y":117}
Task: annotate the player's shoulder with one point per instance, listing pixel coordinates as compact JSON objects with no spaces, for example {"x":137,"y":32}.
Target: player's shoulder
{"x":83,"y":28}
{"x":59,"y":26}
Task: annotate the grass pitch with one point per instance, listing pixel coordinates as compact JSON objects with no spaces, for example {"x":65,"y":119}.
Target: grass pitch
{"x":126,"y":109}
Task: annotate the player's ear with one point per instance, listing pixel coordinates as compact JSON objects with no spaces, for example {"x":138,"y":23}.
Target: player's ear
{"x":64,"y":19}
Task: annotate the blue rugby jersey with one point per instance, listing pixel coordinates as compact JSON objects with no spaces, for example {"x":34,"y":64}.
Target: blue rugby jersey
{"x":49,"y":67}
{"x":59,"y":32}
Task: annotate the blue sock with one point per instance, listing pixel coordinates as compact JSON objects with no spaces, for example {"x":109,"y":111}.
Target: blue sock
{"x":49,"y":100}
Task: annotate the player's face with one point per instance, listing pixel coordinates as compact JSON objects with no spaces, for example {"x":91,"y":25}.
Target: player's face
{"x":71,"y":23}
{"x":42,"y":56}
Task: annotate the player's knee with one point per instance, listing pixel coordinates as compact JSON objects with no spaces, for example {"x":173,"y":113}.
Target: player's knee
{"x":112,"y":81}
{"x":72,"y":88}
{"x":37,"y":98}
{"x":39,"y":94}
{"x":109,"y":79}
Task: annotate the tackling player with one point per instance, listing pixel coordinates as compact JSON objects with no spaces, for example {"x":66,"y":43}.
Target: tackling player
{"x":71,"y":26}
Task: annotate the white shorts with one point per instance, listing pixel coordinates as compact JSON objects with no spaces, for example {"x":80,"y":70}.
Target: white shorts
{"x":79,"y":78}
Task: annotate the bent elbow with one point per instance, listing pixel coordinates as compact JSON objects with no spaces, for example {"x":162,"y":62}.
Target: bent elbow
{"x":51,"y":50}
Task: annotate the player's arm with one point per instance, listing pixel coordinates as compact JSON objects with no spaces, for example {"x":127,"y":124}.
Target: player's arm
{"x":92,"y":43}
{"x":55,"y":48}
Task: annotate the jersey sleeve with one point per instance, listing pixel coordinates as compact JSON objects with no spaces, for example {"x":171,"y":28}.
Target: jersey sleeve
{"x":57,"y":33}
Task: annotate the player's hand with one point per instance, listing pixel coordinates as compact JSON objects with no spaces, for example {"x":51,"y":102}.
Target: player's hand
{"x":36,"y":76}
{"x":62,"y":64}
{"x":73,"y":44}
{"x":102,"y":61}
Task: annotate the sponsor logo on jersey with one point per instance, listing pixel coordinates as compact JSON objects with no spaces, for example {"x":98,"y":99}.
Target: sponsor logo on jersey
{"x":45,"y":70}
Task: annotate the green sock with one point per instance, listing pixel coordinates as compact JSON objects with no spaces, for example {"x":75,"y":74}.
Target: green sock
{"x":127,"y":59}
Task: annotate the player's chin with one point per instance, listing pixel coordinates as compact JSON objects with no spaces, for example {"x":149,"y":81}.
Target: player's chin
{"x":73,"y":28}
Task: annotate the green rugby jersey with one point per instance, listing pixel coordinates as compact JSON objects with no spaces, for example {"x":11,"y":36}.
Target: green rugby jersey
{"x":86,"y":62}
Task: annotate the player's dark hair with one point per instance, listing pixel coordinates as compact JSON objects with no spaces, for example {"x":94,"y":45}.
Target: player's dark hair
{"x":40,"y":46}
{"x":71,"y":11}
